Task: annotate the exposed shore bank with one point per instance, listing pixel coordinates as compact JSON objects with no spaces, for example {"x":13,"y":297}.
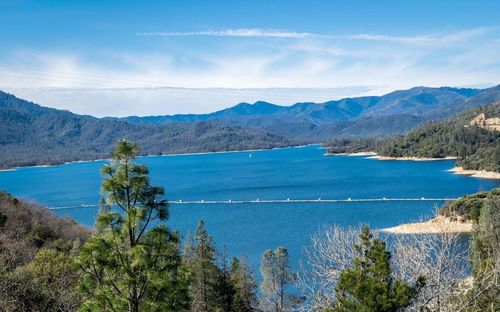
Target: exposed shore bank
{"x":412,"y":158}
{"x":436,"y":225}
{"x":476,"y":173}
{"x":374,"y":155}
{"x":353,"y":154}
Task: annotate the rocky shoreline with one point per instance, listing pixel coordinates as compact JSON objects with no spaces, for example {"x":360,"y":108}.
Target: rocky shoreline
{"x":476,"y":173}
{"x":436,"y":225}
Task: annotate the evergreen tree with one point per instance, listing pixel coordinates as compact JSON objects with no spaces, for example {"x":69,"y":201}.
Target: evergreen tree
{"x":205,"y":289}
{"x":276,"y":277}
{"x":243,"y":285}
{"x":129,"y":264}
{"x":369,"y":285}
{"x":225,"y":287}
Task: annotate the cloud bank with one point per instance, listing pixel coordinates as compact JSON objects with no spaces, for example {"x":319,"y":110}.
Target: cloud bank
{"x":187,"y":75}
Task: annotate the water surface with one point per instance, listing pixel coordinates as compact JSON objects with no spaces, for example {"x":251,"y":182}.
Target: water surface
{"x":295,"y":173}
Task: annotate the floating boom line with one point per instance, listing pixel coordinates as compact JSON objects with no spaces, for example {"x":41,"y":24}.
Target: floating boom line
{"x":287,"y":201}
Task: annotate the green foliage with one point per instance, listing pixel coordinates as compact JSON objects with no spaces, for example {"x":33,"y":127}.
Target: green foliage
{"x":485,"y":294}
{"x":45,"y":284}
{"x":205,"y":293}
{"x":129,"y":264}
{"x":341,"y":146}
{"x":244,"y":287}
{"x":476,"y":148}
{"x":217,"y":286}
{"x":469,"y":207}
{"x":369,"y":285}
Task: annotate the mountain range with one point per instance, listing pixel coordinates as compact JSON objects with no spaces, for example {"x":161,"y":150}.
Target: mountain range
{"x":31,"y":134}
{"x":393,"y":113}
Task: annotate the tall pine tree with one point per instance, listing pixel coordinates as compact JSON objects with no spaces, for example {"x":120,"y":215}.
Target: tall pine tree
{"x":205,"y":290}
{"x":129,"y":264}
{"x":244,"y":287}
{"x":369,"y":285}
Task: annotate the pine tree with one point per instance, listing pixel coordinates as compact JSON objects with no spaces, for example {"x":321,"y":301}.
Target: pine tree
{"x":205,"y":291}
{"x":369,"y":286}
{"x":276,"y":277}
{"x":129,"y":264}
{"x":225,"y":287}
{"x":244,"y":286}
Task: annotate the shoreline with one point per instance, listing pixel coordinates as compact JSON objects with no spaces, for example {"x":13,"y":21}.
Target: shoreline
{"x":411,"y":158}
{"x":157,"y":155}
{"x":353,"y":154}
{"x":436,"y":225}
{"x":374,"y":155}
{"x":475,"y":173}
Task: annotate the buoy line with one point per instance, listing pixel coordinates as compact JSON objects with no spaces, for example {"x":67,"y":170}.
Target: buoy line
{"x":268,"y":201}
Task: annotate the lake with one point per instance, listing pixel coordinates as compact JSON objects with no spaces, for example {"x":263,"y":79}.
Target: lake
{"x":280,"y":174}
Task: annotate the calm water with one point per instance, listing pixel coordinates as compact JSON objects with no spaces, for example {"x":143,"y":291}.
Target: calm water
{"x":295,"y":173}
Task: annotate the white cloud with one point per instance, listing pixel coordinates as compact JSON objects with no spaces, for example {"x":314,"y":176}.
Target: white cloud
{"x":160,"y":101}
{"x":270,"y":33}
{"x":242,"y":32}
{"x":209,"y":78}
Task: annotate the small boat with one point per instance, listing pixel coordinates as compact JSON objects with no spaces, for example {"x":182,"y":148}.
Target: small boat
{"x":250,"y":156}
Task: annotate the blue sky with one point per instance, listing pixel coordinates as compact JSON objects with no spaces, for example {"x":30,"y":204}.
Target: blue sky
{"x":164,"y":57}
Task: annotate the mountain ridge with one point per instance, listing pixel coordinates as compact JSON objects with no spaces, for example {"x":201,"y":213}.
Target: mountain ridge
{"x":330,"y":111}
{"x":31,"y":134}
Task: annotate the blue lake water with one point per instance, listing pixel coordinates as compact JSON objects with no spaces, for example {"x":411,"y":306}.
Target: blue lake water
{"x":251,"y":228}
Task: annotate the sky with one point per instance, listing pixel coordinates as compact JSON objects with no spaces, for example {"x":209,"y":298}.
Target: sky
{"x":119,"y":58}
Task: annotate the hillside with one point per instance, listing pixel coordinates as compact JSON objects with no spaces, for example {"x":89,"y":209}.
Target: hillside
{"x":469,"y":207}
{"x":476,"y":147}
{"x":393,"y":113}
{"x":31,"y":134}
{"x":36,"y":273}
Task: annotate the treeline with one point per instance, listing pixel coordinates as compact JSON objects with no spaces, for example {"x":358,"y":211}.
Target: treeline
{"x":133,"y":262}
{"x":34,"y":135}
{"x":476,"y":148}
{"x":348,"y":146}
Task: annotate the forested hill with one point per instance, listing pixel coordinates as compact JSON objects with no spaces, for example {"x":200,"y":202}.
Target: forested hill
{"x":31,"y":135}
{"x":471,"y":136}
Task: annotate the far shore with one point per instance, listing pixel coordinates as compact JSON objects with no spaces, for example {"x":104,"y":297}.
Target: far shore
{"x":156,"y":155}
{"x":436,"y":225}
{"x":353,"y":154}
{"x":374,"y":155}
{"x":476,"y":173}
{"x":412,"y":158}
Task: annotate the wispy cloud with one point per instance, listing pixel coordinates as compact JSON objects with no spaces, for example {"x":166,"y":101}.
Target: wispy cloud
{"x":270,"y":33}
{"x":242,"y":32}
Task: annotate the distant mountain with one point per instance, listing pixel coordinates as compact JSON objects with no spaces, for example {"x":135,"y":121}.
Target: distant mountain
{"x":31,"y":134}
{"x":392,"y":113}
{"x":418,"y":101}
